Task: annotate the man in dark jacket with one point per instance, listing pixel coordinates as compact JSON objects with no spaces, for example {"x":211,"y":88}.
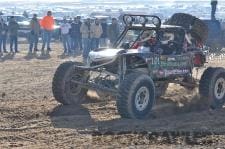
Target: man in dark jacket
{"x":3,"y":36}
{"x":13,"y":34}
{"x":75,"y":34}
{"x":104,"y":33}
{"x":80,"y":43}
{"x":34,"y":33}
{"x":113,"y":31}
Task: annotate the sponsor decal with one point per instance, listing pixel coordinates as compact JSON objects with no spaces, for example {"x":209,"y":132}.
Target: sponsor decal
{"x":171,"y":59}
{"x":165,"y":62}
{"x":159,"y":73}
{"x":173,"y":63}
{"x":165,"y":72}
{"x":176,"y":72}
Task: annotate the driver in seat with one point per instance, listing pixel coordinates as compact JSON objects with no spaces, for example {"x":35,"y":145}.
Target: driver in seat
{"x":147,"y":40}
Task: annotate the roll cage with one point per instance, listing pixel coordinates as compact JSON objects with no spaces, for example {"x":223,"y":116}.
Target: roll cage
{"x":148,"y":22}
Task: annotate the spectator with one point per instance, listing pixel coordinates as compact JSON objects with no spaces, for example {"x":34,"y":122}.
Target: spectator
{"x":70,"y":20}
{"x":96,"y":32}
{"x":65,"y":28}
{"x":75,"y":34}
{"x":213,"y":11}
{"x":86,"y":37}
{"x":80,"y":44}
{"x":34,"y":33}
{"x":13,"y":34}
{"x":25,"y":14}
{"x":103,"y":39}
{"x":3,"y":35}
{"x":47,"y":24}
{"x":113,"y":31}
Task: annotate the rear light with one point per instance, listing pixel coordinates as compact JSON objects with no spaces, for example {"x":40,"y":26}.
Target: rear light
{"x":199,"y":59}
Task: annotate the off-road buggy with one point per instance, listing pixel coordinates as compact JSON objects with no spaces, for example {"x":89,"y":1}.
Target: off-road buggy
{"x":138,"y":68}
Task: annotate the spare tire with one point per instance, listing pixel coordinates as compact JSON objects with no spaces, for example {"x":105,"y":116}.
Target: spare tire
{"x":181,"y":19}
{"x":197,"y":27}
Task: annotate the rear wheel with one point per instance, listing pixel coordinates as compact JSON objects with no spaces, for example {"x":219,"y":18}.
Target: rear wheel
{"x":212,"y":86}
{"x":136,"y":96}
{"x":64,"y":89}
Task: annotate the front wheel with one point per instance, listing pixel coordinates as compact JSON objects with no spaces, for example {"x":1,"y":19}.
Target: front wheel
{"x":136,"y":96}
{"x":64,"y":89}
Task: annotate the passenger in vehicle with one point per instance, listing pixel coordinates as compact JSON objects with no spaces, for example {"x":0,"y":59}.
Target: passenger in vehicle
{"x":191,"y":43}
{"x":168,"y":44}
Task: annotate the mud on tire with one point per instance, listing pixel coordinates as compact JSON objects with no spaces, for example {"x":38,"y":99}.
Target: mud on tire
{"x":64,"y":90}
{"x":198,"y":28}
{"x":136,"y":96}
{"x":212,"y":86}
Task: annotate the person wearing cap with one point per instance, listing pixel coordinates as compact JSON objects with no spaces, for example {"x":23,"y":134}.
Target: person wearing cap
{"x":34,"y":33}
{"x":65,"y":28}
{"x":85,"y":30}
{"x":47,"y":24}
{"x":13,"y":28}
{"x":3,"y":36}
{"x":213,"y":11}
{"x":75,"y":35}
{"x":79,"y":38}
{"x":113,"y":31}
{"x":104,"y":33}
{"x":96,"y":32}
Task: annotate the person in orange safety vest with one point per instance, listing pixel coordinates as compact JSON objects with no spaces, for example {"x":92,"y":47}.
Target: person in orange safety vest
{"x":47,"y":24}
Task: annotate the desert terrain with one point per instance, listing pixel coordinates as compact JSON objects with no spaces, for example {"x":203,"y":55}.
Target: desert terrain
{"x":31,"y":118}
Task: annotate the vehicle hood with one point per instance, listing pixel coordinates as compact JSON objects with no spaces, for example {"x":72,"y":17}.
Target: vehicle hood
{"x":104,"y":54}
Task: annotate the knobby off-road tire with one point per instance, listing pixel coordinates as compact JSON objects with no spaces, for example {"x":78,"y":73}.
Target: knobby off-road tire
{"x":198,"y":28}
{"x":136,"y":96}
{"x":64,"y":90}
{"x":212,"y":86}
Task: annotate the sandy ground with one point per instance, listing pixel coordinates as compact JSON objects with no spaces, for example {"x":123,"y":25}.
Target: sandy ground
{"x":31,"y":118}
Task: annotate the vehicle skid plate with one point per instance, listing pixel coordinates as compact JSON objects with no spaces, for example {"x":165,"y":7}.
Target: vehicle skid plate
{"x":96,"y":87}
{"x":91,"y":83}
{"x":86,"y":68}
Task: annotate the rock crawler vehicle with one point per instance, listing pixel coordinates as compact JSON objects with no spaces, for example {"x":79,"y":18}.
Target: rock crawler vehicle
{"x":138,"y":68}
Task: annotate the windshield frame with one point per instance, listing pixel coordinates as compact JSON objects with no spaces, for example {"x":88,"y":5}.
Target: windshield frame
{"x":127,"y":28}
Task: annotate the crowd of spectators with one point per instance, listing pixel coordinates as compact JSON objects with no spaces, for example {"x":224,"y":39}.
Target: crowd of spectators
{"x":77,"y":36}
{"x":10,"y":31}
